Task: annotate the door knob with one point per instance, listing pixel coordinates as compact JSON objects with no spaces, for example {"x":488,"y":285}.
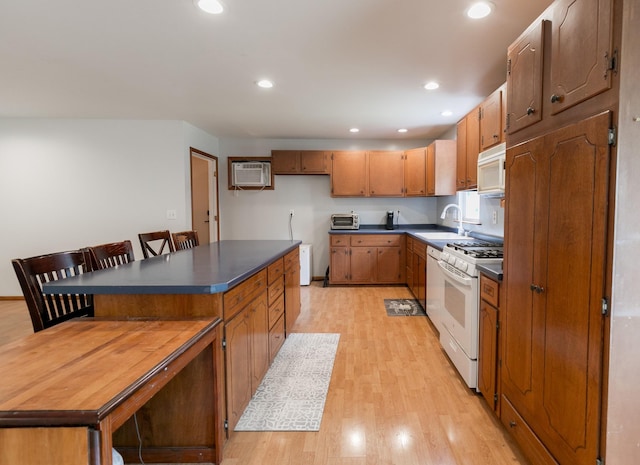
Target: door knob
{"x":530,"y":111}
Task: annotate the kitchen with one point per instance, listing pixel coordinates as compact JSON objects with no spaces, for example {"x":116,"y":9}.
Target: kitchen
{"x":310,"y":220}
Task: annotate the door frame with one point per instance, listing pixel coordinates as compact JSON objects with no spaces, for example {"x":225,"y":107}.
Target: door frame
{"x":213,"y":186}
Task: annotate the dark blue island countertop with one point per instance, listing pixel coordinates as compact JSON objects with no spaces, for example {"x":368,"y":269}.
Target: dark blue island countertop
{"x":206,"y":269}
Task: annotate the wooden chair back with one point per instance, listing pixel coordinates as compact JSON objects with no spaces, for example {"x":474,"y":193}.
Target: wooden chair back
{"x":185,"y":240}
{"x":154,"y":243}
{"x":110,"y":255}
{"x":47,"y":310}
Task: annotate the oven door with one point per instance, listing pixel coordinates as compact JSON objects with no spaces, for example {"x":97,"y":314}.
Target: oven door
{"x":460,"y":308}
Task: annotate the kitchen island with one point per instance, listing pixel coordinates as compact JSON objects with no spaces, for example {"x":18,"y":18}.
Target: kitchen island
{"x":250,"y":285}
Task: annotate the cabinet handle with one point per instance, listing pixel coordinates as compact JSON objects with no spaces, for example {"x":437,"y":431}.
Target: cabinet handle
{"x":530,"y":111}
{"x":536,"y":288}
{"x":512,"y":424}
{"x":556,"y":98}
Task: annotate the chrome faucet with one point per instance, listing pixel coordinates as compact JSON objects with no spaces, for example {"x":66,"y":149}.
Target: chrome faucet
{"x":461,"y":230}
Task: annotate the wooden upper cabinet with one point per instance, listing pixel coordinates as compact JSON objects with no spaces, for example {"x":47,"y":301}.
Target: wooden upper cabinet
{"x":581,"y":51}
{"x":314,"y":162}
{"x":524,"y":78}
{"x":349,"y":174}
{"x":285,"y":161}
{"x":300,"y":162}
{"x":491,"y":120}
{"x":415,"y":170}
{"x":386,"y":174}
{"x":468,"y":147}
{"x":441,"y":167}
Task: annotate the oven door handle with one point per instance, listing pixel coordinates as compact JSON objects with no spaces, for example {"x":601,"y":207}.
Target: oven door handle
{"x":466,"y":281}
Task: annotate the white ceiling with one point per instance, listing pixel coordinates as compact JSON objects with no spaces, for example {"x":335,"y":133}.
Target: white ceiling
{"x":335,"y":63}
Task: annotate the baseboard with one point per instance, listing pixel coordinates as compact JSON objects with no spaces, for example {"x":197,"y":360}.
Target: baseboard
{"x":11,"y":297}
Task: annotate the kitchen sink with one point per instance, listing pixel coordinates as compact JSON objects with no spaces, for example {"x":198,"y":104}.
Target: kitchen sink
{"x":441,"y":235}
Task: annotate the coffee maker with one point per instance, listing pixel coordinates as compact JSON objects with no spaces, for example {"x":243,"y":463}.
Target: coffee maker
{"x":389,"y":224}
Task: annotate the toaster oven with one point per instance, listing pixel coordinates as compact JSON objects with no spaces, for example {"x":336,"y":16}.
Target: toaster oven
{"x":345,"y":221}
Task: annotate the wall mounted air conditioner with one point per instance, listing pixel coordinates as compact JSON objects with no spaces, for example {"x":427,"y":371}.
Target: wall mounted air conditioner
{"x":251,"y":174}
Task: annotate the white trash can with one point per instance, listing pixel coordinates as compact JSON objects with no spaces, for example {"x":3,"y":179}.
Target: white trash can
{"x":305,"y":264}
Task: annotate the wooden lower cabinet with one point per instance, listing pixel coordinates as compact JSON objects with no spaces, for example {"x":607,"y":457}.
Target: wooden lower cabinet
{"x":238,"y":366}
{"x":291,"y":288}
{"x":417,"y":263}
{"x":367,"y":259}
{"x":488,"y":342}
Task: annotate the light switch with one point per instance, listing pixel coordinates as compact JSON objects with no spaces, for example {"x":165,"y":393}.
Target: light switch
{"x":172,"y":215}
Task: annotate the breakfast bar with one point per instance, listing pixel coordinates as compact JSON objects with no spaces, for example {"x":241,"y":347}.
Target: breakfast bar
{"x":250,"y":286}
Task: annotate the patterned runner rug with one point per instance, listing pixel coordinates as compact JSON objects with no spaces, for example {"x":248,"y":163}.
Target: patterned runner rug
{"x":292,"y":394}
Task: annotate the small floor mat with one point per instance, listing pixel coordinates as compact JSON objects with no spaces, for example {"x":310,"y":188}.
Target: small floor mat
{"x":403,"y":307}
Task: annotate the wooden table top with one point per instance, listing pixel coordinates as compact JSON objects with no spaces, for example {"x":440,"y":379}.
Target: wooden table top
{"x":77,"y":372}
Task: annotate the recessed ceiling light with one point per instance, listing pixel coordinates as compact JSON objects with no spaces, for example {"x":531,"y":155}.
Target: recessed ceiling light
{"x":447,"y":113}
{"x":214,"y":7}
{"x":432,"y":85}
{"x":403,"y":130}
{"x":479,"y":10}
{"x":354,"y":130}
{"x":265,"y":84}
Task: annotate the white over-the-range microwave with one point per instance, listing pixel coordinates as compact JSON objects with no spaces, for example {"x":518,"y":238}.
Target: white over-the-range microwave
{"x":491,"y":171}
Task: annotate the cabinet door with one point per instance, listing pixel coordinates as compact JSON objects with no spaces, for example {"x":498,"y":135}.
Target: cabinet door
{"x":421,"y":279}
{"x":292,"y":296}
{"x":314,"y":162}
{"x":348,"y":174}
{"x":581,"y":38}
{"x":431,"y":169}
{"x":473,"y":148}
{"x":491,"y":120}
{"x":259,"y":327}
{"x":572,"y":281}
{"x":386,"y":174}
{"x":461,"y":154}
{"x":238,"y":366}
{"x":519,"y":320}
{"x":524,"y":78}
{"x":389,"y":265}
{"x":285,"y":161}
{"x":488,"y":353}
{"x":414,"y":172}
{"x":363,"y":264}
{"x":339,"y":266}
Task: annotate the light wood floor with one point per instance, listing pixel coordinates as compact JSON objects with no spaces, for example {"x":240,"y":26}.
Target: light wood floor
{"x":394,"y":398}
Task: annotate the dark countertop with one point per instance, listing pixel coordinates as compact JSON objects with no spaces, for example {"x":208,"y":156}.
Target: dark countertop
{"x":492,"y":271}
{"x":206,"y":269}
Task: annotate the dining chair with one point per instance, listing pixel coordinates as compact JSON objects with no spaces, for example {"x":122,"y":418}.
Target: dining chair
{"x":47,"y":310}
{"x":154,"y":243}
{"x":110,"y":255}
{"x":185,"y":240}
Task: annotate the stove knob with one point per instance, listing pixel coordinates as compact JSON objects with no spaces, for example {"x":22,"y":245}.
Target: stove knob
{"x":462,"y":265}
{"x":444,"y":256}
{"x":452,"y":260}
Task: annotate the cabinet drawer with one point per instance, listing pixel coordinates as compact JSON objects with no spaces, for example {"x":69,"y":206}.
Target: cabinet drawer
{"x":339,"y":240}
{"x":276,"y":310}
{"x":276,"y":338}
{"x":524,"y":436}
{"x":291,"y":260}
{"x":235,"y":299}
{"x":275,"y":271}
{"x":410,"y":243}
{"x":489,"y":291}
{"x":275,"y":290}
{"x":376,"y":240}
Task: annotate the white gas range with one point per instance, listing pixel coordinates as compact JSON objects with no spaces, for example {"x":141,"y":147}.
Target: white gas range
{"x":453,"y":299}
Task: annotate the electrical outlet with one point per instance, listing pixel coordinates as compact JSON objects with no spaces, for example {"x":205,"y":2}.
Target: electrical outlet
{"x":172,"y":215}
{"x":494,"y":218}
{"x":291,"y":212}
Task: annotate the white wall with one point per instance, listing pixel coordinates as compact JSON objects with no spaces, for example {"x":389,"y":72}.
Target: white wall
{"x":66,"y":184}
{"x":265,"y":214}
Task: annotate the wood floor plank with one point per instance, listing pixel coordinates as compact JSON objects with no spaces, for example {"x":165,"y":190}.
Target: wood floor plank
{"x":394,"y":397}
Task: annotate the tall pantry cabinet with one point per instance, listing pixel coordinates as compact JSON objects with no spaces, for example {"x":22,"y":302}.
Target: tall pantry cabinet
{"x":560,"y":153}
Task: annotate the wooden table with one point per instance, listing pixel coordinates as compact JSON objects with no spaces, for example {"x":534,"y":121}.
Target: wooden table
{"x":66,"y":390}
